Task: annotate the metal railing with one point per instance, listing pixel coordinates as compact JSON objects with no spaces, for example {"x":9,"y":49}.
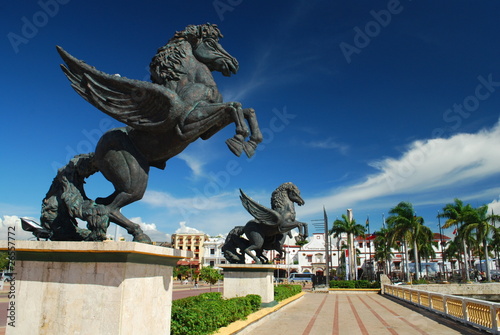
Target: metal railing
{"x":478,"y":313}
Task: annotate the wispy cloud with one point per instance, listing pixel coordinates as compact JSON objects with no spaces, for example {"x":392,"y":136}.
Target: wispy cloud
{"x":435,"y":167}
{"x":193,"y":162}
{"x":199,"y":201}
{"x":328,"y":143}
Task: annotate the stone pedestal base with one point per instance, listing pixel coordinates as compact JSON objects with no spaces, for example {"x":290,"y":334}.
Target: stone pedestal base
{"x":91,"y":288}
{"x":243,"y":279}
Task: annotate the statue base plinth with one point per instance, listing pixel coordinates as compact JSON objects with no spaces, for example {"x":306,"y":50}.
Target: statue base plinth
{"x":90,"y":287}
{"x":243,"y":279}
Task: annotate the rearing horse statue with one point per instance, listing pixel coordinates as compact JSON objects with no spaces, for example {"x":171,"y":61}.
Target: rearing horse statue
{"x":181,"y":105}
{"x":269,"y":228}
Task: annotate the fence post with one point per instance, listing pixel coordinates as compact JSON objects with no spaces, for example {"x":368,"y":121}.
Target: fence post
{"x":464,"y":310}
{"x":494,"y":323}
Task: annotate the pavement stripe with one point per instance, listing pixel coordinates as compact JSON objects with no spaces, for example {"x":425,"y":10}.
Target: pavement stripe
{"x":336,"y":318}
{"x":402,"y":318}
{"x":386,"y":325}
{"x":307,"y":331}
{"x":358,"y":319}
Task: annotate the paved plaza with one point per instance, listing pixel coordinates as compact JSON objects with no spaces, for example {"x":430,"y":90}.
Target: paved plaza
{"x":352,"y":314}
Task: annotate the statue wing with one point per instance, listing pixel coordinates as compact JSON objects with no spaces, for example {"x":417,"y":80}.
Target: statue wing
{"x":261,"y":213}
{"x":139,"y":104}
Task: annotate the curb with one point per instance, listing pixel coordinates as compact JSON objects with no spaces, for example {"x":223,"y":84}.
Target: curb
{"x":240,"y":324}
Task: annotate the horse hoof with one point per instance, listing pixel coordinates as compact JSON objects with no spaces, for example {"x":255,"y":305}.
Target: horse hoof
{"x":143,"y":238}
{"x":249,"y":148}
{"x":235,"y":146}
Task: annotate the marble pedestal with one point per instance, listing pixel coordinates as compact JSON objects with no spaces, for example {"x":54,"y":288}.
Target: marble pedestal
{"x":91,"y":288}
{"x":243,"y":279}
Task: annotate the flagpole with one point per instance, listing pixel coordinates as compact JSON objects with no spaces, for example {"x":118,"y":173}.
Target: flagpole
{"x":327,"y":249}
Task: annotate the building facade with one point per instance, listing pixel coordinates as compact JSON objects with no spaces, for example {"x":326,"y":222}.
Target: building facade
{"x":193,"y":242}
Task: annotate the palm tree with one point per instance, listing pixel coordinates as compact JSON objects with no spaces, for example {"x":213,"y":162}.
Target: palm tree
{"x":383,"y":248}
{"x":495,"y":244}
{"x":349,"y":226}
{"x":407,"y":226}
{"x":457,"y":214}
{"x":479,"y":221}
{"x":426,"y":244}
{"x":452,"y":251}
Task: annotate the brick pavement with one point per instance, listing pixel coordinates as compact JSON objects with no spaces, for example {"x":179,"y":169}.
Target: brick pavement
{"x":352,"y":314}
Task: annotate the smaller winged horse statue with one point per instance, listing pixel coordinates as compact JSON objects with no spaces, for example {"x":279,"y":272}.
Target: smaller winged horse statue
{"x":269,"y":228}
{"x":162,"y":117}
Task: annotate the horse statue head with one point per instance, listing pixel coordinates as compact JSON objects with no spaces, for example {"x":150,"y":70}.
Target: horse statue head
{"x":203,"y":40}
{"x":286,"y":193}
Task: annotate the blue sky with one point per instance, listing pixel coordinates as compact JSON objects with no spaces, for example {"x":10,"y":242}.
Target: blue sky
{"x":363,"y":105}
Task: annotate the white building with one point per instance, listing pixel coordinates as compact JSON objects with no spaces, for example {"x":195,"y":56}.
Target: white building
{"x":310,"y":258}
{"x":213,"y":254}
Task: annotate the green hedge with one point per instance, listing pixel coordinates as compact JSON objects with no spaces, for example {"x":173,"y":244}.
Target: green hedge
{"x":353,"y":284}
{"x":207,"y":312}
{"x":282,"y":292}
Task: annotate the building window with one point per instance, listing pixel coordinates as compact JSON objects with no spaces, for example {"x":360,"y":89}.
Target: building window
{"x":309,"y":258}
{"x":212,"y":263}
{"x":212,"y":251}
{"x":367,"y":244}
{"x":361,"y":244}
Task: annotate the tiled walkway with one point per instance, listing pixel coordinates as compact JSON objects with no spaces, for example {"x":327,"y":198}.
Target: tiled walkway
{"x":350,"y":314}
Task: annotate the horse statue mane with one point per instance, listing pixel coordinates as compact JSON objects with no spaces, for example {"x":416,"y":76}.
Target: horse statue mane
{"x":269,"y":228}
{"x":279,"y":197}
{"x":167,"y":64}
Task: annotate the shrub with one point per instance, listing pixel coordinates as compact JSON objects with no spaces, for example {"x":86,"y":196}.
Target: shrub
{"x":207,"y":312}
{"x":282,"y":292}
{"x":353,"y":284}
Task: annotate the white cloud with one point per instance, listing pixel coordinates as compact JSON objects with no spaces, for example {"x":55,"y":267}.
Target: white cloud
{"x":186,"y":230}
{"x":193,"y":162}
{"x":151,"y":230}
{"x":494,"y":206}
{"x":426,"y":166}
{"x":17,"y":233}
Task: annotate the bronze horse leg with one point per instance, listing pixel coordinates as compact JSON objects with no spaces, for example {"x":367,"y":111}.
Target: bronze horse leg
{"x":121,"y":164}
{"x":256,"y":241}
{"x":206,"y":120}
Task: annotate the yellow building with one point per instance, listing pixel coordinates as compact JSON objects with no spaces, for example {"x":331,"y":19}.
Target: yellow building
{"x":191,"y":242}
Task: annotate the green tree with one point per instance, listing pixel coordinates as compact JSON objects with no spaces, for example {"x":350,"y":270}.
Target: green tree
{"x":409,"y":227}
{"x":4,"y":260}
{"x":383,"y":248}
{"x":479,"y":221}
{"x":349,"y":226}
{"x":457,"y":215}
{"x":210,"y":275}
{"x":181,"y":271}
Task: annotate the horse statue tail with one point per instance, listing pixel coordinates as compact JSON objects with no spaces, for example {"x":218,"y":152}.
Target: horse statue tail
{"x":66,"y":201}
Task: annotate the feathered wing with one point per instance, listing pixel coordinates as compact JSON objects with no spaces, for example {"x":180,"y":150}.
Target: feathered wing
{"x":261,"y":213}
{"x":139,"y":104}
